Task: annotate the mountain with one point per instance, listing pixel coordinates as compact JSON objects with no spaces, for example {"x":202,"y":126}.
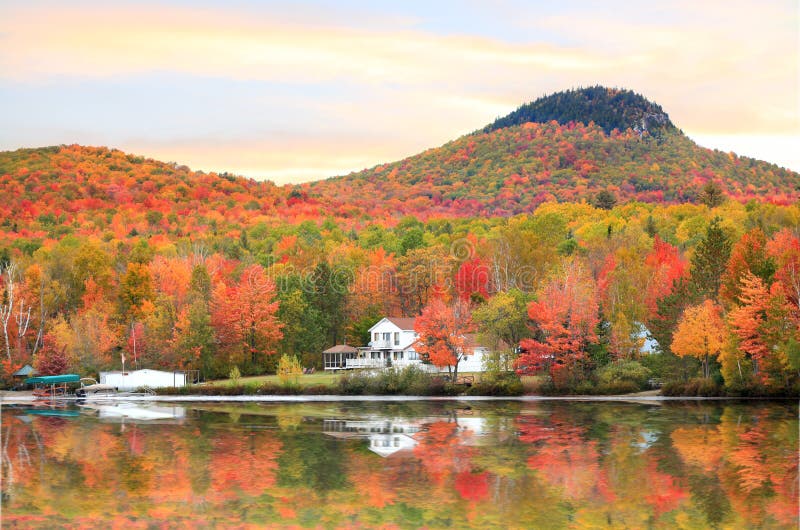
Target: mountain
{"x":569,"y":146}
{"x":586,"y":144}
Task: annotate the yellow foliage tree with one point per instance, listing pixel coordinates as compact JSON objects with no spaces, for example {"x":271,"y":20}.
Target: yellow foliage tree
{"x":700,"y":333}
{"x":289,"y":369}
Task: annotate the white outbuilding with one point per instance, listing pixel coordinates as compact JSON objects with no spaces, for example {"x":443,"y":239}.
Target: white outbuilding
{"x":131,"y":380}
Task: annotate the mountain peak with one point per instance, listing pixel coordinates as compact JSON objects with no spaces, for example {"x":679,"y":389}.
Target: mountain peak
{"x":608,"y":108}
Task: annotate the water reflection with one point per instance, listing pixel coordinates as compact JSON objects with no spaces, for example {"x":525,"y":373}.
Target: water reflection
{"x":430,"y":464}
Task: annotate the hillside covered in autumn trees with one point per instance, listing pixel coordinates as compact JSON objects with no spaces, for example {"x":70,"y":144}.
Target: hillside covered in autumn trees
{"x":105,"y":254}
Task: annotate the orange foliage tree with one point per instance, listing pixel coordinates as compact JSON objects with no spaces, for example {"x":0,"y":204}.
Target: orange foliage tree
{"x":763,"y":323}
{"x":700,"y":333}
{"x":442,"y":333}
{"x":244,"y":316}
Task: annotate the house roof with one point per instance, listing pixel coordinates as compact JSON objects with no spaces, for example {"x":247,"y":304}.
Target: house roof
{"x":404,"y":323}
{"x":341,"y":348}
{"x":26,"y":370}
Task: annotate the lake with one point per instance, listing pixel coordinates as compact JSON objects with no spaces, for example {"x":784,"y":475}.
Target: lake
{"x":434,"y":464}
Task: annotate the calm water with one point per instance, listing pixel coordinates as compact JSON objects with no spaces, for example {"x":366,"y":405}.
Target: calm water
{"x":408,"y":465}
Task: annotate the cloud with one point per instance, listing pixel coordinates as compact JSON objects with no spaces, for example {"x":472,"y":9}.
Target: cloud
{"x":391,"y":84}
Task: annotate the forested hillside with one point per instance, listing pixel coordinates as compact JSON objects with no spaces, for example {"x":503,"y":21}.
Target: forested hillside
{"x":513,"y":170}
{"x":570,"y":146}
{"x":561,"y":238}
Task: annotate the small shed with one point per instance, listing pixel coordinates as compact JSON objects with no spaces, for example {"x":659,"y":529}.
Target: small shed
{"x":336,"y":357}
{"x":25,"y":371}
{"x":132,"y":380}
{"x":22,"y":374}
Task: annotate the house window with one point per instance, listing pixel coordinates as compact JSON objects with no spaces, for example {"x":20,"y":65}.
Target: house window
{"x":400,"y":355}
{"x":412,"y":355}
{"x":387,"y":336}
{"x":397,"y":338}
{"x":377,"y":336}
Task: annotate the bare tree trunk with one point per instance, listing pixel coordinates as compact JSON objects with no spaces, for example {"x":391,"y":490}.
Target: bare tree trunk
{"x":40,"y":334}
{"x":23,"y":321}
{"x":7,"y":308}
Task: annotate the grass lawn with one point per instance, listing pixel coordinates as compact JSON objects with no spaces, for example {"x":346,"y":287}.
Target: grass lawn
{"x":317,"y":378}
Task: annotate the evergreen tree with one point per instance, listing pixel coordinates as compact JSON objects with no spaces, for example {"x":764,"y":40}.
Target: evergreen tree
{"x":200,"y":284}
{"x":709,"y":262}
{"x":605,"y":200}
{"x":329,"y":291}
{"x":712,"y":195}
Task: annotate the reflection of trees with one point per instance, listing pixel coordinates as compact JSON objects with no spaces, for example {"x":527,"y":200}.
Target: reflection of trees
{"x":540,"y":465}
{"x":311,"y":461}
{"x":745,"y":463}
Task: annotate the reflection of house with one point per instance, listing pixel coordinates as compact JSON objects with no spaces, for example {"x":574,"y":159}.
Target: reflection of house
{"x":385,"y":437}
{"x":121,"y":412}
{"x":392,"y":344}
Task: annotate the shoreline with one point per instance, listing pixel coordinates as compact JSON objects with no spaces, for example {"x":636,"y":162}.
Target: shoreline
{"x":15,"y":398}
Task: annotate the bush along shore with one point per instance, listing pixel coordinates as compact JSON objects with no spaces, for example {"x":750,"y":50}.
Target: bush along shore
{"x":628,"y":377}
{"x":410,"y":381}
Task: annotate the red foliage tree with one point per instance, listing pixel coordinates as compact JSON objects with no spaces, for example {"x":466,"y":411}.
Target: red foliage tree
{"x":472,"y":279}
{"x":668,"y":266}
{"x":564,"y":321}
{"x":51,"y":359}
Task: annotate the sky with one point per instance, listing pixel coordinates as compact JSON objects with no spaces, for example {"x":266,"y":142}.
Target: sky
{"x":298,"y":91}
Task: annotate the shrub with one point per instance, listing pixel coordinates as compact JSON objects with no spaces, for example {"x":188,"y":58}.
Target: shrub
{"x":234,"y":376}
{"x":628,"y":375}
{"x":500,"y":384}
{"x":408,"y":381}
{"x":693,"y":388}
{"x":289,"y":369}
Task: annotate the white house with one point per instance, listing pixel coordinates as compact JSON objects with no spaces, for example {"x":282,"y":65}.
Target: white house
{"x":132,"y":380}
{"x":391,"y":344}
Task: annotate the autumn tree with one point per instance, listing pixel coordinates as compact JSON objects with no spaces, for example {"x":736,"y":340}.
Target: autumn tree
{"x":52,"y":358}
{"x":136,"y":288}
{"x":244,"y":316}
{"x":443,"y":333}
{"x":564,"y":317}
{"x":472,"y":280}
{"x":193,"y":338}
{"x":764,"y":328}
{"x":418,"y":271}
{"x":700,"y":333}
{"x":749,"y":254}
{"x":666,"y":267}
{"x":503,"y":320}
